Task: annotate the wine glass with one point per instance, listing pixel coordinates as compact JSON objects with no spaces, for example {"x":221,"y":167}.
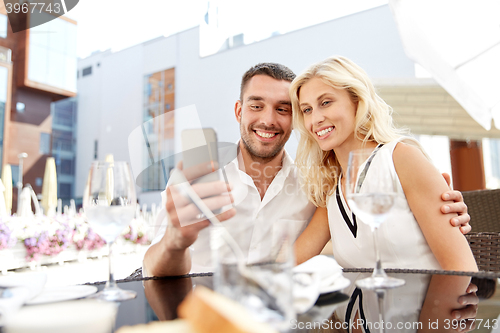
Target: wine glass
{"x":371,"y":192}
{"x":109,"y":201}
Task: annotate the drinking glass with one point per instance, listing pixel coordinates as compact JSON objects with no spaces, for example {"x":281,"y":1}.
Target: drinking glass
{"x":371,"y":193}
{"x":109,"y":201}
{"x":263,"y":282}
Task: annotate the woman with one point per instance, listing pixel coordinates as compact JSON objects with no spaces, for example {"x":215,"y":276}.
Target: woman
{"x":336,"y":110}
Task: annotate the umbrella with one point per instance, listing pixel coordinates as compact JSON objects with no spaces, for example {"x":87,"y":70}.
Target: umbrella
{"x":458,"y":43}
{"x":3,"y":210}
{"x":49,"y":188}
{"x":109,"y":158}
{"x":7,"y":183}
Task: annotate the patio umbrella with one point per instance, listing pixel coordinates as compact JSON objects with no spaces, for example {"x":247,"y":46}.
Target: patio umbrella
{"x":7,"y":183}
{"x":49,"y":188}
{"x":3,"y":210}
{"x":458,"y":43}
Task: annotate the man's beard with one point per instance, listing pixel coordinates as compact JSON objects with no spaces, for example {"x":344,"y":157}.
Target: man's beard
{"x":257,"y":154}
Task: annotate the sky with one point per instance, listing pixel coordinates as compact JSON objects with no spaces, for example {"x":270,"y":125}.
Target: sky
{"x":118,"y":24}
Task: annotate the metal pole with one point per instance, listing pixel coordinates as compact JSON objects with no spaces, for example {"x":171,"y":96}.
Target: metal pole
{"x":20,"y":179}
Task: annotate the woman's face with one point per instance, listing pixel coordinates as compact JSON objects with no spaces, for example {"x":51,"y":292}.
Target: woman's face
{"x":329,"y":114}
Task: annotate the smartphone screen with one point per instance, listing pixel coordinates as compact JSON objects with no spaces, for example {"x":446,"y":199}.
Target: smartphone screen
{"x":199,"y":150}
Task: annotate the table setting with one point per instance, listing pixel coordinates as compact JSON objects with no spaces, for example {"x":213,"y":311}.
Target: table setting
{"x":27,"y":305}
{"x":267,"y":287}
{"x":262,"y":292}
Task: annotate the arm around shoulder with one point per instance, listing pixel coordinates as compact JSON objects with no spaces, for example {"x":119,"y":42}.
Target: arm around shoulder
{"x":423,"y":185}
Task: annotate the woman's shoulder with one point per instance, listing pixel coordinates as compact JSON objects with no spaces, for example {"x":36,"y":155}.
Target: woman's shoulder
{"x":405,"y":140}
{"x":411,"y":160}
{"x":407,"y":153}
{"x":407,"y":147}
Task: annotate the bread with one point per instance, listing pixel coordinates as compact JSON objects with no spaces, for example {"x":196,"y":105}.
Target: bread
{"x":209,"y":312}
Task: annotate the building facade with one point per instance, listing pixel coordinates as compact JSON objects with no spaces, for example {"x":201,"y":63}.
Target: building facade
{"x":63,"y":143}
{"x":126,"y":90}
{"x":37,"y":67}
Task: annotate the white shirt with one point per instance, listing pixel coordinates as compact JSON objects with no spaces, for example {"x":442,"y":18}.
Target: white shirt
{"x":283,"y":200}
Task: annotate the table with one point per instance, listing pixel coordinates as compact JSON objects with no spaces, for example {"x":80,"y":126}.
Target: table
{"x":158,"y":298}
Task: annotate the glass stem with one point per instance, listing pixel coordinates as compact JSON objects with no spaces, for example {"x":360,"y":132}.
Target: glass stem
{"x":381,"y":310}
{"x":111,"y":281}
{"x":378,"y":271}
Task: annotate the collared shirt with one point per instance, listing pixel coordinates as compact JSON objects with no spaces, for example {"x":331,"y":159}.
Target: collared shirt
{"x":284,"y":200}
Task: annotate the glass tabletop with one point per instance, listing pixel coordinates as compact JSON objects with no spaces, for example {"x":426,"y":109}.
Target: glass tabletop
{"x":424,"y":303}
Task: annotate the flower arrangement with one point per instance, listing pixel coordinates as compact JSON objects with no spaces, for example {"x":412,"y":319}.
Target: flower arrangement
{"x":7,"y":237}
{"x":49,"y":236}
{"x":44,"y":236}
{"x":135,"y":232}
{"x":85,"y":238}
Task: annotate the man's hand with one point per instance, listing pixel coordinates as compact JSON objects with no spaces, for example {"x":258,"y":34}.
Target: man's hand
{"x":458,"y":206}
{"x":185,"y":222}
{"x":170,"y":256}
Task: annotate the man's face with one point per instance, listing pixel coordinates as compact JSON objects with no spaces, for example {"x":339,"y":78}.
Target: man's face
{"x":265,"y":116}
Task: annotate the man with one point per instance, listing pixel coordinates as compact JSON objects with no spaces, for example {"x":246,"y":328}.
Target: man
{"x":265,"y":184}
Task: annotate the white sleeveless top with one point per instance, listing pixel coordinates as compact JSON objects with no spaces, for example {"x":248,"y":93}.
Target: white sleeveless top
{"x":401,"y":242}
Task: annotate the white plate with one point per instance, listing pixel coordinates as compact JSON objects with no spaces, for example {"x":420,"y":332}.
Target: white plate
{"x":58,"y":294}
{"x":337,"y":285}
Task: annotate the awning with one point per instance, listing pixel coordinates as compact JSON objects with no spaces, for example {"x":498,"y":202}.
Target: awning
{"x":458,"y":42}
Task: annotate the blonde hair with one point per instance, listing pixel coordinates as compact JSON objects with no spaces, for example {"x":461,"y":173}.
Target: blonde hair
{"x":373,"y":122}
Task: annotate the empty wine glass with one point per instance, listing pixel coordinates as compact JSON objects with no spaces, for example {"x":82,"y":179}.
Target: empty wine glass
{"x":109,"y":201}
{"x":371,"y":193}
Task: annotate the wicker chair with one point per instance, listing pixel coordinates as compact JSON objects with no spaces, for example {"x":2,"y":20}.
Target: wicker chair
{"x":486,"y":249}
{"x":484,"y":210}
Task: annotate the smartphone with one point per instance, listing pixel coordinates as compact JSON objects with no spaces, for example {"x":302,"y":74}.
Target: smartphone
{"x":199,"y":148}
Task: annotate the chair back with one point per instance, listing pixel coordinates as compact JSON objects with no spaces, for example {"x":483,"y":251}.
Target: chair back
{"x":484,"y":210}
{"x":486,"y":249}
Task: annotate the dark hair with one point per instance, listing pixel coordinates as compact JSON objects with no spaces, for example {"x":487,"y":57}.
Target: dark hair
{"x":274,"y":70}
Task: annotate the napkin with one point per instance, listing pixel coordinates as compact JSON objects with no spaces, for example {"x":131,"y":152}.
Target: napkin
{"x":311,"y":278}
{"x":22,"y":288}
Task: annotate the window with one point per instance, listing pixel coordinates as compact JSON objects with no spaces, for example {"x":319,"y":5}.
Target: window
{"x":87,"y":71}
{"x":4,"y":72}
{"x":66,"y":167}
{"x":44,"y":143}
{"x":62,"y":140}
{"x":20,"y":107}
{"x":38,"y":181}
{"x":3,"y":26}
{"x":65,"y":190}
{"x":159,"y":89}
{"x":51,"y":57}
{"x":64,"y":112}
{"x":5,"y":54}
{"x":15,"y":175}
